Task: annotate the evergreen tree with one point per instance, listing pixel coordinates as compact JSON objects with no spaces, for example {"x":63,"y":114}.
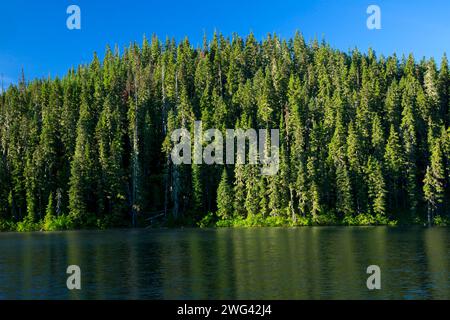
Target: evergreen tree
{"x":344,"y":198}
{"x":434,"y":181}
{"x":224,"y":197}
{"x":376,"y":187}
{"x":394,"y":162}
{"x":359,"y":134}
{"x":83,"y":180}
{"x":378,"y":141}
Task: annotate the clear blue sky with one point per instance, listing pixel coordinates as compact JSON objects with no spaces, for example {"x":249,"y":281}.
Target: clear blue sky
{"x":33,"y":34}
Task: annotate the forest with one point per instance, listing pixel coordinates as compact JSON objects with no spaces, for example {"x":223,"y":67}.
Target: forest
{"x":364,"y":139}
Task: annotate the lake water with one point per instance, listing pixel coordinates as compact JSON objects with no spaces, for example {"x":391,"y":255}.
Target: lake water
{"x":260,"y":263}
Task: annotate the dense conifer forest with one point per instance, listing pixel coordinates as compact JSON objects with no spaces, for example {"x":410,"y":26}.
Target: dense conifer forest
{"x":364,"y":139}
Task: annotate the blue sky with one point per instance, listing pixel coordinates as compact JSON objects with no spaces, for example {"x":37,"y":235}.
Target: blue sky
{"x":33,"y":34}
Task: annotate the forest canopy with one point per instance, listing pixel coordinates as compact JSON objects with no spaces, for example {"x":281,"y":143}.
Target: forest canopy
{"x":364,"y":139}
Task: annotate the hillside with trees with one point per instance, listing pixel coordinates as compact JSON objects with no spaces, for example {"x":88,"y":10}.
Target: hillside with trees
{"x":364,"y":139}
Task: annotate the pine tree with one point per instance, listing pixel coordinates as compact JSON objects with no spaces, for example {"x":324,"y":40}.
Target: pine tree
{"x":197,"y":191}
{"x":431,"y":90}
{"x":224,"y":197}
{"x":4,"y":189}
{"x":355,"y":161}
{"x":50,"y":210}
{"x":376,"y":187}
{"x":344,"y":197}
{"x":434,"y":181}
{"x":392,"y":103}
{"x":359,"y":133}
{"x":314,"y":197}
{"x":239,"y":190}
{"x":378,"y":141}
{"x":252,"y":196}
{"x":409,"y":138}
{"x":394,"y":162}
{"x":444,"y":91}
{"x":83,"y":180}
{"x":110,"y":137}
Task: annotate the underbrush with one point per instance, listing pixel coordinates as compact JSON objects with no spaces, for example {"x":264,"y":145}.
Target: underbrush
{"x":259,"y":220}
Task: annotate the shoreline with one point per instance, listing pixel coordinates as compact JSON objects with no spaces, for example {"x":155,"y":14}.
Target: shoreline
{"x":249,"y":222}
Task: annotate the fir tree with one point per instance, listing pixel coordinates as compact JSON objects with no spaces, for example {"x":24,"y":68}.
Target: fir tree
{"x":224,"y":197}
{"x":434,"y":181}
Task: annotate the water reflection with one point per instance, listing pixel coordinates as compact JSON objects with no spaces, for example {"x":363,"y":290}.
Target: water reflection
{"x":273,"y":263}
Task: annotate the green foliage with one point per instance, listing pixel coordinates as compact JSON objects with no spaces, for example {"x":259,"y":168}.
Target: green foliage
{"x":28,"y":224}
{"x":7,"y":226}
{"x":441,"y":221}
{"x":224,"y":197}
{"x":363,"y":140}
{"x":62,"y":222}
{"x":434,"y":182}
{"x":368,"y":220}
{"x":259,"y":220}
{"x":207,"y":221}
{"x":376,"y":187}
{"x":325,"y":219}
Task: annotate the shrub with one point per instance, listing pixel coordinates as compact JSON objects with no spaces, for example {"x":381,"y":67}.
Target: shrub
{"x":441,"y":221}
{"x":28,"y":225}
{"x":207,"y":221}
{"x":54,"y":223}
{"x":7,"y":226}
{"x":325,"y":219}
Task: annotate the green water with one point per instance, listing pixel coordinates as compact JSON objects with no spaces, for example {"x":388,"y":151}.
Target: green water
{"x":260,"y":263}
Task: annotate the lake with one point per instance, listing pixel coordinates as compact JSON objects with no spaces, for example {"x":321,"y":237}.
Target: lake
{"x":259,"y":263}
